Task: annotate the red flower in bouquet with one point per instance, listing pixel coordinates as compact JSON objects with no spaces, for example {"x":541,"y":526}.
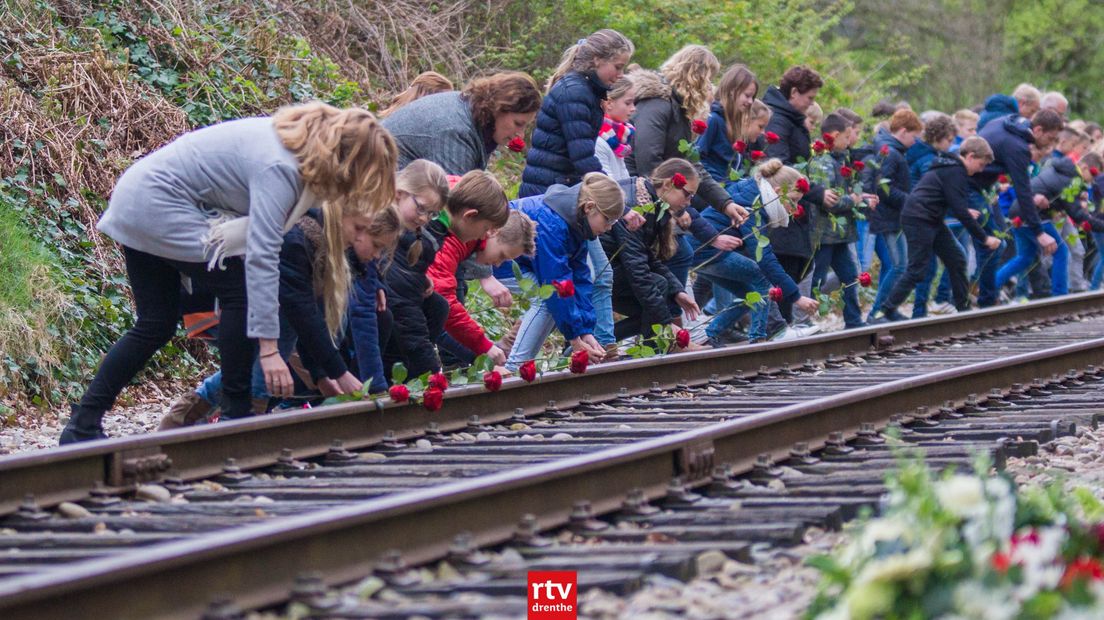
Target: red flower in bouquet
{"x":846,"y":171}
{"x":757,"y":155}
{"x":858,"y":165}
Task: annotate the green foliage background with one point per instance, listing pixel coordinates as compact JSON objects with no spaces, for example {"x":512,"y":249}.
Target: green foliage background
{"x":86,"y":87}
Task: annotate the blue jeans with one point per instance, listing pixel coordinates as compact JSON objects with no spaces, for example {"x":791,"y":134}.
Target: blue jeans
{"x":864,"y":246}
{"x":1098,"y":271}
{"x":211,"y":388}
{"x":739,"y":275}
{"x":1027,"y":256}
{"x":892,"y":250}
{"x":602,"y":297}
{"x":536,"y":325}
{"x":838,"y":257}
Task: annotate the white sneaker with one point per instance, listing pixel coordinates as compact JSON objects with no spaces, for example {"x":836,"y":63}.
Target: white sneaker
{"x":945,"y":307}
{"x":793,"y":332}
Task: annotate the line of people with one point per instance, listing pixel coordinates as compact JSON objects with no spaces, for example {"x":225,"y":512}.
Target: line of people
{"x":323,"y":247}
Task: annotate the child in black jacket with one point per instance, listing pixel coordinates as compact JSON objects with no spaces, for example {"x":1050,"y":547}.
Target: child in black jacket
{"x":944,"y":187}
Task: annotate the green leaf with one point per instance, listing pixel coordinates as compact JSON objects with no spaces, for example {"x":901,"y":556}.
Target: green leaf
{"x":525,"y":284}
{"x":545,"y":291}
{"x":399,"y":373}
{"x":657,"y":329}
{"x":752,"y":299}
{"x":517,"y":271}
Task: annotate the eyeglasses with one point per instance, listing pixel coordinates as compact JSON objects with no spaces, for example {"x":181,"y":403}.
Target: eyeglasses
{"x":689,"y":195}
{"x":422,"y":211}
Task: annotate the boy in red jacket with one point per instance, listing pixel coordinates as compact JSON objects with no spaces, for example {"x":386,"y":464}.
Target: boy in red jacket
{"x":515,"y":238}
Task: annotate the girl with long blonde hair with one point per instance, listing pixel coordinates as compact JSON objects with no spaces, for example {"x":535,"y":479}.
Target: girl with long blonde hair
{"x":212,"y":207}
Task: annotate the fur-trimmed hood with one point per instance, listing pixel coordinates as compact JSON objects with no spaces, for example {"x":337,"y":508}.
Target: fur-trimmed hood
{"x":650,"y":85}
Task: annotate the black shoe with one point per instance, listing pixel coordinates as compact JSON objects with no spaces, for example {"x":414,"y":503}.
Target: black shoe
{"x":71,"y":434}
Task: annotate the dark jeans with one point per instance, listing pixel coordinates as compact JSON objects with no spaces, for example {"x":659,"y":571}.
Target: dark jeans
{"x":988,"y":261}
{"x":923,"y":239}
{"x":838,"y":258}
{"x":155,"y":283}
{"x":638,"y":321}
{"x":683,"y":258}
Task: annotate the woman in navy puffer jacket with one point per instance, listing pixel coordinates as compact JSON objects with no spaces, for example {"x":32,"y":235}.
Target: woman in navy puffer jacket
{"x":570,"y":118}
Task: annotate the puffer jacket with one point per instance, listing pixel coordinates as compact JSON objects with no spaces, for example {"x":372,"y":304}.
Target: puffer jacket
{"x":633,"y":258}
{"x":562,"y":236}
{"x":661,"y":124}
{"x":717,"y":155}
{"x":406,"y":291}
{"x":792,"y":147}
{"x":562,"y":148}
{"x":885,"y":219}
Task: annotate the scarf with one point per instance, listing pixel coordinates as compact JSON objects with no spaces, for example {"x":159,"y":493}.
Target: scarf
{"x":772,"y":206}
{"x":617,"y":136}
{"x":228,"y":233}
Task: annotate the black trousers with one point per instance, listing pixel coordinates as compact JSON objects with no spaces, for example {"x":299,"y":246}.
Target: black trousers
{"x":436,"y":308}
{"x":639,"y":320}
{"x":155,"y":283}
{"x":924,"y":239}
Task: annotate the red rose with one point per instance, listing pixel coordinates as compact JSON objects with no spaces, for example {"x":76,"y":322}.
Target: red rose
{"x":1094,"y":171}
{"x":799,"y":212}
{"x":757,"y":155}
{"x":885,"y":150}
{"x":678,"y":180}
{"x":399,"y":393}
{"x":819,"y":147}
{"x":579,"y":361}
{"x":1017,"y":222}
{"x":802,"y":185}
{"x":564,"y":288}
{"x":864,"y":279}
{"x":516,"y":144}
{"x":698,"y":126}
{"x":432,"y":399}
{"x":528,"y":371}
{"x":1001,"y":562}
{"x":739,"y":146}
{"x":829,"y":139}
{"x":492,"y":380}
{"x":858,"y":166}
{"x":439,"y":381}
{"x":775,"y":294}
{"x":1003,"y":179}
{"x":682,"y":338}
{"x":1086,"y":226}
{"x":846,"y":171}
{"x":772,"y":138}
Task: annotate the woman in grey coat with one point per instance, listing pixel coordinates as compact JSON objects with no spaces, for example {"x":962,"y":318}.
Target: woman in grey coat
{"x":211,"y":208}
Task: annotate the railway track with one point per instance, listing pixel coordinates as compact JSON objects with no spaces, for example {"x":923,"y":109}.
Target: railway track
{"x":288,"y":494}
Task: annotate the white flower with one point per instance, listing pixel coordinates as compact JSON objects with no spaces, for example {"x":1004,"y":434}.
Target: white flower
{"x":963,"y":496}
{"x":976,"y":602}
{"x":897,"y":567}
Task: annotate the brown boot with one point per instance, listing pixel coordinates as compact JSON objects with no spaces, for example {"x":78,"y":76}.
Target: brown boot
{"x":186,"y":411}
{"x":507,"y":341}
{"x":613,"y":352}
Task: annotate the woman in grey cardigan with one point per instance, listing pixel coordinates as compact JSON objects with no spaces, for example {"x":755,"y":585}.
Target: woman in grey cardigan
{"x":212,"y":208}
{"x":460,"y":130}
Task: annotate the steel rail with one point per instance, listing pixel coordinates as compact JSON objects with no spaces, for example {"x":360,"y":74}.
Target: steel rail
{"x":257,"y":565}
{"x":69,"y":472}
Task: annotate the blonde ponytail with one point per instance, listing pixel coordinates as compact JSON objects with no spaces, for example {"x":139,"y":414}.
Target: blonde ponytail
{"x":605,"y":44}
{"x":335,"y":279}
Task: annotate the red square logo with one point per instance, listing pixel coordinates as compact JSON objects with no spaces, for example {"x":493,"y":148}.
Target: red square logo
{"x":552,"y":595}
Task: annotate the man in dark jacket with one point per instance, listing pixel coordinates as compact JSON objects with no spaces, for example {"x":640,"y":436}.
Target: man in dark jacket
{"x":793,"y":245}
{"x":562,"y":149}
{"x":944,"y":187}
{"x":1010,"y":140}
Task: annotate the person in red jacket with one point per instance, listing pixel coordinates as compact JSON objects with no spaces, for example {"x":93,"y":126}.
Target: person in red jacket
{"x":516,"y":237}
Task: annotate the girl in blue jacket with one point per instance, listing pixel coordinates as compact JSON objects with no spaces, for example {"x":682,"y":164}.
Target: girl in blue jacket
{"x":567,"y":219}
